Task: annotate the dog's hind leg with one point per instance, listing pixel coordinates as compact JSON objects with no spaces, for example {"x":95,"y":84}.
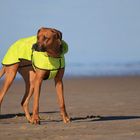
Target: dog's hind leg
{"x":28,"y":76}
{"x":10,"y":73}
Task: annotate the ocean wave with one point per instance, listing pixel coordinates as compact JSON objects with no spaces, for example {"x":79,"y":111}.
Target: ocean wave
{"x":105,"y":69}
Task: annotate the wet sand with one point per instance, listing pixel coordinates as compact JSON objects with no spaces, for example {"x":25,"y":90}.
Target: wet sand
{"x":106,"y":108}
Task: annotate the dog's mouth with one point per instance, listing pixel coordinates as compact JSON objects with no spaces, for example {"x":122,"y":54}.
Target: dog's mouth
{"x":37,"y":48}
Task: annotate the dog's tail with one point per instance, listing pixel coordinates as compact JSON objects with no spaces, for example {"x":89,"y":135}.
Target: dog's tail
{"x":2,"y":71}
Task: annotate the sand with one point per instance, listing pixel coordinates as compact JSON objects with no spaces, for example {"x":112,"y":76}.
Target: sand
{"x":103,"y":108}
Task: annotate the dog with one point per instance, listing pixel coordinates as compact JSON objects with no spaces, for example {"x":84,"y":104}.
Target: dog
{"x":36,"y":58}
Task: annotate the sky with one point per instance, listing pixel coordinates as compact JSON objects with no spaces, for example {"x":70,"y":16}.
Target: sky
{"x":97,"y":31}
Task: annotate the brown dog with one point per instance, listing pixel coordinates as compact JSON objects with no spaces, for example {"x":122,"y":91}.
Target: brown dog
{"x":48,"y":43}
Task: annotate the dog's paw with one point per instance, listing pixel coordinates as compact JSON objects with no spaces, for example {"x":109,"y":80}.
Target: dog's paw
{"x":35,"y":120}
{"x":66,"y":120}
{"x":29,"y":119}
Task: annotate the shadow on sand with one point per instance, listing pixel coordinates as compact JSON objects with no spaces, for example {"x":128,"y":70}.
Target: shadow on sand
{"x":88,"y":118}
{"x":9,"y":116}
{"x":92,"y":118}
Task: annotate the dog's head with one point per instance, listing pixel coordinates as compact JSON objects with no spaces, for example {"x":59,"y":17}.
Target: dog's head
{"x":49,"y":39}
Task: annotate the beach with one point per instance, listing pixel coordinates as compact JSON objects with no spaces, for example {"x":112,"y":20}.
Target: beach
{"x":100,"y":108}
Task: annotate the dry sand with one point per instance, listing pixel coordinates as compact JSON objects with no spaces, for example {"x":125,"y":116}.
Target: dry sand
{"x":100,"y":109}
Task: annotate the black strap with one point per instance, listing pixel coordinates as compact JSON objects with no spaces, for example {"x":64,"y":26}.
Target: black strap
{"x":25,"y":66}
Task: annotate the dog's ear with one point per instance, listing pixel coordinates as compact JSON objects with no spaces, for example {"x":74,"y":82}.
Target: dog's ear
{"x":58,"y":33}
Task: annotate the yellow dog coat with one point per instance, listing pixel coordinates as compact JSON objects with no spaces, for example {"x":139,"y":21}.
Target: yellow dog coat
{"x":22,"y":49}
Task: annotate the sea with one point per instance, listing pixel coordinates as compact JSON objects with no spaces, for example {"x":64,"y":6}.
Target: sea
{"x":105,"y":69}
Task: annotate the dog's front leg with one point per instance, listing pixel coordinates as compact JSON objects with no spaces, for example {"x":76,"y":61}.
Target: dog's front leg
{"x":35,"y":117}
{"x":37,"y":87}
{"x":60,"y":94}
{"x":59,"y":89}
